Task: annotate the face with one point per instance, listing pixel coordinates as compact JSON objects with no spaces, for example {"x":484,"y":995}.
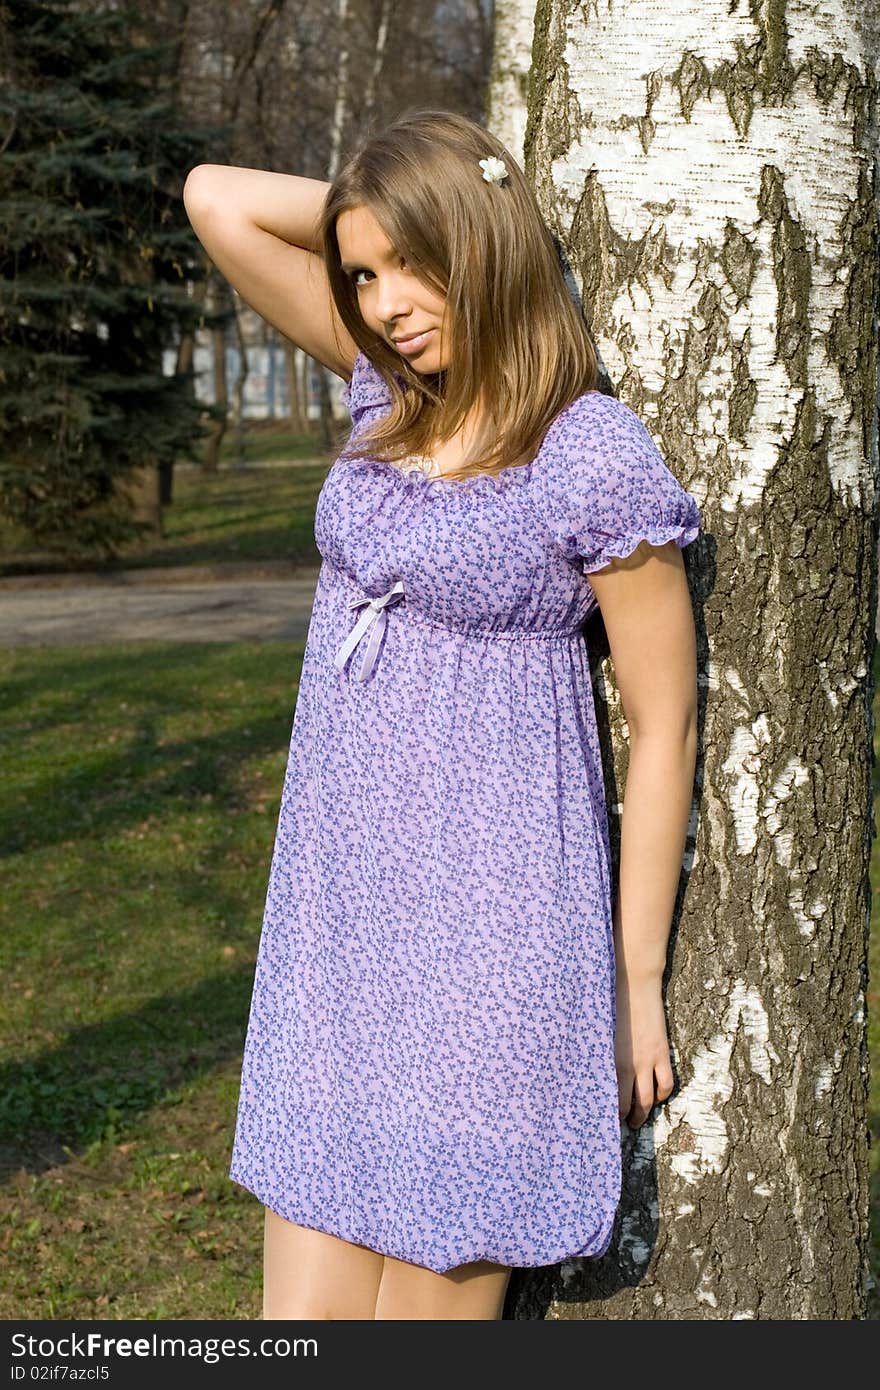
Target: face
{"x":391,"y":298}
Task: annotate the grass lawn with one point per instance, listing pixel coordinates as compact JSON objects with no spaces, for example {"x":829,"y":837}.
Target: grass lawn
{"x":141,"y":786}
{"x":268,"y":439}
{"x":141,"y":791}
{"x":256,"y":513}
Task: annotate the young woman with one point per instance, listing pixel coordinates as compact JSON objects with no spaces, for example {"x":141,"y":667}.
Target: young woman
{"x":453,"y":1008}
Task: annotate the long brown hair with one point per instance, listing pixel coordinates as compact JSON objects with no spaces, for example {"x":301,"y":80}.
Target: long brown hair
{"x":517,"y":337}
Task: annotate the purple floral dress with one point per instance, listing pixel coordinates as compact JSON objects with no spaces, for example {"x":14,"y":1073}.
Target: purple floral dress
{"x":429,"y":1063}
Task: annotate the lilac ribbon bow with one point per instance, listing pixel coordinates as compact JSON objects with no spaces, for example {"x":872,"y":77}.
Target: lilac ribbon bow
{"x":373,"y":616}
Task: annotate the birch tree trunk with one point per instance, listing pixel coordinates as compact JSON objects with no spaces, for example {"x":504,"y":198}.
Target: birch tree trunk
{"x":711,"y":171}
{"x":340,"y":114}
{"x":340,"y":109}
{"x":378,"y":59}
{"x":507,"y":103}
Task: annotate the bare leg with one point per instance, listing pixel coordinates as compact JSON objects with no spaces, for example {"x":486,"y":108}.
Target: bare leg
{"x":470,"y":1292}
{"x":310,"y":1274}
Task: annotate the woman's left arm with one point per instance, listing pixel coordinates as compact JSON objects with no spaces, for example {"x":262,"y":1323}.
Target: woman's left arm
{"x":647,"y":613}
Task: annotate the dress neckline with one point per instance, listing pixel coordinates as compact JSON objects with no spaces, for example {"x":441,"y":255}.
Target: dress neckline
{"x":418,"y":461}
{"x":412,"y":474}
{"x":409,"y":473}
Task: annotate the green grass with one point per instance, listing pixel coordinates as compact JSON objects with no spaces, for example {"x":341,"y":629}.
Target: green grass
{"x":141,"y":791}
{"x":269,"y":439}
{"x":142,"y":785}
{"x":251,"y":514}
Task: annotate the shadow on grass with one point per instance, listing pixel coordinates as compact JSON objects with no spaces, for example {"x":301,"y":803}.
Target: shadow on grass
{"x":100,"y":788}
{"x":280,"y":536}
{"x":293,"y":542}
{"x":106,"y":1074}
{"x":98,"y":798}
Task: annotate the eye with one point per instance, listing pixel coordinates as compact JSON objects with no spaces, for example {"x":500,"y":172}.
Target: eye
{"x":358,"y":284}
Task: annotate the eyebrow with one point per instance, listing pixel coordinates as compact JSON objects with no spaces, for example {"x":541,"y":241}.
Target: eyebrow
{"x":359,"y":265}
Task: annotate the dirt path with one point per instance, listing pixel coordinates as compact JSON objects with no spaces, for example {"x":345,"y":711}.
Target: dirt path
{"x":219,"y":603}
{"x":214,"y":604}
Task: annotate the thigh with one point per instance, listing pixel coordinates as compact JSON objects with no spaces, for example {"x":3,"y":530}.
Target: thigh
{"x":470,"y":1292}
{"x":311,"y":1274}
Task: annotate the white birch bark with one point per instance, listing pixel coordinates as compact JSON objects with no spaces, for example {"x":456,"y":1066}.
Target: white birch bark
{"x":507,"y":103}
{"x":341,"y":104}
{"x":378,"y":57}
{"x":711,"y":169}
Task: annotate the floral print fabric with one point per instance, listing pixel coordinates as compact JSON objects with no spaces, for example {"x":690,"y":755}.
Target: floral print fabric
{"x":429,"y":1062}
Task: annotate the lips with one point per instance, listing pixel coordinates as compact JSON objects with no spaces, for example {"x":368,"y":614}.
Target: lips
{"x":413,"y":343}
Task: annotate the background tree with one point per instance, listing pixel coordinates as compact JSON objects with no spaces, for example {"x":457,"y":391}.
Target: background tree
{"x":297,"y":86}
{"x":107,"y":107}
{"x":95,"y":255}
{"x":713,"y":177}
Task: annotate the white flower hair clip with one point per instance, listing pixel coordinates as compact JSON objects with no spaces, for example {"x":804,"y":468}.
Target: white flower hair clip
{"x":494,"y":170}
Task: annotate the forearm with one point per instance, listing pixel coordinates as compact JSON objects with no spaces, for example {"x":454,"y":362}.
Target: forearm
{"x":287,"y":205}
{"x":656,"y":808}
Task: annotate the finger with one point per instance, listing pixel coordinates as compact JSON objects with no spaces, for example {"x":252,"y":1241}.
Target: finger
{"x":665,"y":1080}
{"x":644,"y":1099}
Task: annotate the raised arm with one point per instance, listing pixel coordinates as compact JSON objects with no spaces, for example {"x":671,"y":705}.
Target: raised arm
{"x":258,"y":229}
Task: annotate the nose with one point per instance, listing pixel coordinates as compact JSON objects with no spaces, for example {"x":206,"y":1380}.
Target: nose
{"x":393,"y":300}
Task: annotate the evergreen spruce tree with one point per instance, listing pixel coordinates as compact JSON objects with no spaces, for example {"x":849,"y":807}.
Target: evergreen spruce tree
{"x":97,"y":261}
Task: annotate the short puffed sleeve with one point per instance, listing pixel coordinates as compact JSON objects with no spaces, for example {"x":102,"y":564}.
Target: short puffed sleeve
{"x":603,"y":486}
{"x":366,"y":388}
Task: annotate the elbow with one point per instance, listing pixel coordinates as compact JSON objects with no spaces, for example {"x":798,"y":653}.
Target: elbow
{"x":197,"y":187}
{"x":678,"y":727}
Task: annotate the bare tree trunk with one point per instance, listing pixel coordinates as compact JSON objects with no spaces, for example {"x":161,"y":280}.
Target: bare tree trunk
{"x":369,"y":101}
{"x":340,"y":108}
{"x":298,"y":422}
{"x":718,"y":202}
{"x":305,"y":367}
{"x":178,"y":21}
{"x":507,"y":105}
{"x":185,"y":354}
{"x":247,"y":56}
{"x":238,"y":394}
{"x":183,"y":367}
{"x":141,"y":487}
{"x":325,"y":419}
{"x":211,"y":457}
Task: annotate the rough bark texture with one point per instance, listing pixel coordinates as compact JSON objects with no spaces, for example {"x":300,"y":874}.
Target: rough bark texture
{"x":506,"y":107}
{"x":710,"y":168}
